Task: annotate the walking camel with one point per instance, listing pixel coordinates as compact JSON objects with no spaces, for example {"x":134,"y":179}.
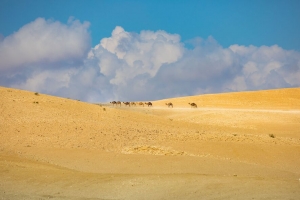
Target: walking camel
{"x":127,"y":104}
{"x":113,"y":103}
{"x":193,"y":105}
{"x":149,"y":104}
{"x":169,"y":105}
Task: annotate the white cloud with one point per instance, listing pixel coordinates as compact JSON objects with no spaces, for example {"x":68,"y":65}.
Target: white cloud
{"x":237,"y":84}
{"x":268,"y":67}
{"x":126,"y":55}
{"x":55,"y":58}
{"x":43,"y":42}
{"x":48,"y":81}
{"x":249,"y":68}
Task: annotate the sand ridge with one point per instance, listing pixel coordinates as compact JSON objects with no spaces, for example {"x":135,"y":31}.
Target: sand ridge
{"x":60,"y":148}
{"x":266,"y":99}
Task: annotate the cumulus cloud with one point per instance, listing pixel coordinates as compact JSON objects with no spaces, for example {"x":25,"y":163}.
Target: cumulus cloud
{"x":268,"y":67}
{"x":124,"y":55}
{"x":156,"y":65}
{"x":43,"y":54}
{"x":55,"y":58}
{"x":43,"y":42}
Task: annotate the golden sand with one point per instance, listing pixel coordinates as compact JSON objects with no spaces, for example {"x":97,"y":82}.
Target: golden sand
{"x":243,"y":145}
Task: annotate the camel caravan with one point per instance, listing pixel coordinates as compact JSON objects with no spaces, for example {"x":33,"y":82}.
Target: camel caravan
{"x":149,"y":104}
{"x":118,"y":103}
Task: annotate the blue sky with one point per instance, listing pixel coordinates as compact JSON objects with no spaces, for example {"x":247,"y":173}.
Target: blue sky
{"x":258,"y":22}
{"x":221,"y":40}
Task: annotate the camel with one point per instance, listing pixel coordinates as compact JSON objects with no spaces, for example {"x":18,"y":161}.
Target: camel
{"x":127,"y":104}
{"x":169,"y":104}
{"x":133,"y":103}
{"x":113,"y":103}
{"x":141,"y":104}
{"x":149,"y":104}
{"x":193,"y":105}
{"x":118,"y":103}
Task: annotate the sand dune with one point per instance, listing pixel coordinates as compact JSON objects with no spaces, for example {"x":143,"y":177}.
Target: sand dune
{"x":243,"y":145}
{"x":268,"y":99}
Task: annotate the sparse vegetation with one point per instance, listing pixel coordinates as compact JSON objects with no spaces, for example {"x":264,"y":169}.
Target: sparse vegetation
{"x":36,"y":102}
{"x":37,"y":94}
{"x":104,"y":109}
{"x":272,"y":135}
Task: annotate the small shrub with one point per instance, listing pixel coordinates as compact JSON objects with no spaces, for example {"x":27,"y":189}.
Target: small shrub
{"x":104,"y":109}
{"x":272,"y":135}
{"x":37,"y":94}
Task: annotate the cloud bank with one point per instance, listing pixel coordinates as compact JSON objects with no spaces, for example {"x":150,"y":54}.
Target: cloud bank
{"x":54,"y":58}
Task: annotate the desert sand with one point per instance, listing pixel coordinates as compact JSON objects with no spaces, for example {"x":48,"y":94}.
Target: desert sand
{"x":243,"y":145}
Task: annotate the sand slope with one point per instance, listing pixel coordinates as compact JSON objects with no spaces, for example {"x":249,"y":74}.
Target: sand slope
{"x":268,"y":99}
{"x":233,"y":146}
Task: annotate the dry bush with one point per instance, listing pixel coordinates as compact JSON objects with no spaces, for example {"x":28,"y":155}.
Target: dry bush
{"x":272,"y":135}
